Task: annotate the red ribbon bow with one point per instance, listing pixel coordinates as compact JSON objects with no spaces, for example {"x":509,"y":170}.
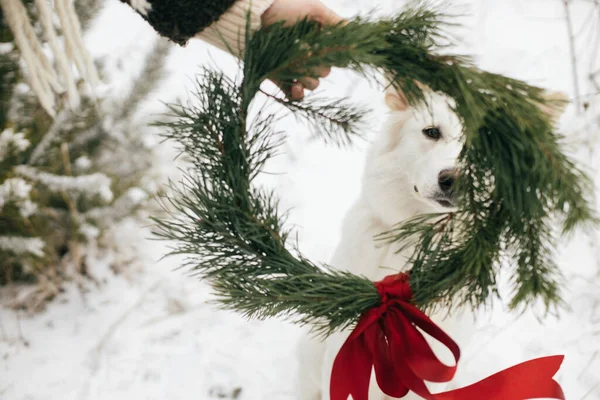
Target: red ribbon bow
{"x":387,"y":338}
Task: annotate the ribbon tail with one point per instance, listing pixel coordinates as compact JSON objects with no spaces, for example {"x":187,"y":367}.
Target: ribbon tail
{"x":428,"y":326}
{"x":399,"y":349}
{"x":532,"y":379}
{"x":351,"y":372}
{"x":385,"y":372}
{"x":420,"y":357}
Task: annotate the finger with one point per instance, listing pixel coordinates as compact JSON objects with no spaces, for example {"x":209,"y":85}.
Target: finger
{"x":322,"y":72}
{"x":291,"y":90}
{"x":296,"y":91}
{"x":309,"y":83}
{"x":285,"y":87}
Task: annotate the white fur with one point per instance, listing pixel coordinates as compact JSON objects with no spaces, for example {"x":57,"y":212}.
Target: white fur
{"x":401,"y":159}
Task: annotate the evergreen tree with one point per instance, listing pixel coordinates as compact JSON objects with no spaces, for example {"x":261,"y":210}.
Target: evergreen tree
{"x":64,"y":180}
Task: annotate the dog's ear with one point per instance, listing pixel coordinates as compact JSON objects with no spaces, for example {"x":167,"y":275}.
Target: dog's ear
{"x":395,"y":100}
{"x":557,"y":102}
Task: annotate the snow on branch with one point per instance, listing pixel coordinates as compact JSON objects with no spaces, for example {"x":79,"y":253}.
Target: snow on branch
{"x":11,"y":141}
{"x":122,"y":206}
{"x":94,"y":184}
{"x":22,"y":245}
{"x":17,"y":190}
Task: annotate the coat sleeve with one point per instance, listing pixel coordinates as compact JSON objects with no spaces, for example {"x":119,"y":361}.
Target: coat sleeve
{"x":219,"y":22}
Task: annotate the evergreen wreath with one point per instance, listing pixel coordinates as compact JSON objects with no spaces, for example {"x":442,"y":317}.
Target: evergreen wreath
{"x":515,"y":184}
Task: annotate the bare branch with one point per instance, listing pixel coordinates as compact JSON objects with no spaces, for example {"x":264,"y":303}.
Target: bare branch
{"x":573,"y":55}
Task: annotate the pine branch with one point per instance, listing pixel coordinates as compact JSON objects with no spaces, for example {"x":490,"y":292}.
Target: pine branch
{"x":152,"y":74}
{"x":9,"y":69}
{"x":336,"y":121}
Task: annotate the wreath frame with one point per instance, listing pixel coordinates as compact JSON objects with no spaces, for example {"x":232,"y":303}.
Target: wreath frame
{"x":516,"y":180}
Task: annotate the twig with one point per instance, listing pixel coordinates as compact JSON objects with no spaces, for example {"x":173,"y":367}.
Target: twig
{"x":66,"y":159}
{"x":85,"y":390}
{"x":595,"y":47}
{"x":4,"y":335}
{"x":19,"y":330}
{"x":593,"y":79}
{"x":73,"y":244}
{"x":39,"y":153}
{"x":587,"y":366}
{"x":590,"y":391}
{"x":589,"y":95}
{"x":573,"y":55}
{"x":159,"y":319}
{"x":481,"y":347}
{"x":113,"y":327}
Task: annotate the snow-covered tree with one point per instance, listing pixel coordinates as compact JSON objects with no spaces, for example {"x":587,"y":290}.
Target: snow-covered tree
{"x":65,"y":178}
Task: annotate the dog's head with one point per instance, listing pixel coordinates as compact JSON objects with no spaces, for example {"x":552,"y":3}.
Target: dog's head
{"x":412,"y":165}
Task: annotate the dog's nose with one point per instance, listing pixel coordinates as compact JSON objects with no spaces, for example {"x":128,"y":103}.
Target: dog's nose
{"x":446,"y":180}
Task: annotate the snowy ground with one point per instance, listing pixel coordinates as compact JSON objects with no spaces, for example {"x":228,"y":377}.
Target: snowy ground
{"x":150,"y":333}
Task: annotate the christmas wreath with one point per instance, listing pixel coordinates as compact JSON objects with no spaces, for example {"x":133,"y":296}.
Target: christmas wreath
{"x":515,"y":184}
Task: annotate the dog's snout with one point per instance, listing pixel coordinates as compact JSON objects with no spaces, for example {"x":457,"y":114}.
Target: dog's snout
{"x":446,"y":179}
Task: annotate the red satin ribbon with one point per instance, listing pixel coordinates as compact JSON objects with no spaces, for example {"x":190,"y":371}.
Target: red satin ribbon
{"x":387,"y":339}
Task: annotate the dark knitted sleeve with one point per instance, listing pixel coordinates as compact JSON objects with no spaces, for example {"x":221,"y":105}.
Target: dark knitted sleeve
{"x":179,"y":20}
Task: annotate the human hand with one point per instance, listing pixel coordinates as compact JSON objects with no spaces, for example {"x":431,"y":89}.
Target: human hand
{"x":292,"y":11}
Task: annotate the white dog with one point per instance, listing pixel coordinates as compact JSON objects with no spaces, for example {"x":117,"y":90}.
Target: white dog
{"x":410,"y":169}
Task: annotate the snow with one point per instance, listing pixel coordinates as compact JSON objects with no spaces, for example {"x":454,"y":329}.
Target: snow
{"x":121,"y":207}
{"x":92,"y":185}
{"x":11,"y":141}
{"x":83,"y":163}
{"x":6,"y":48}
{"x":152,"y":336}
{"x":14,"y":189}
{"x":22,"y":245}
{"x":150,"y":330}
{"x":17,"y":190}
{"x":27,"y":208}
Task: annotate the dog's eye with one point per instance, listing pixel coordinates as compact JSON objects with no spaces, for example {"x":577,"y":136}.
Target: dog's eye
{"x":432,"y":133}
